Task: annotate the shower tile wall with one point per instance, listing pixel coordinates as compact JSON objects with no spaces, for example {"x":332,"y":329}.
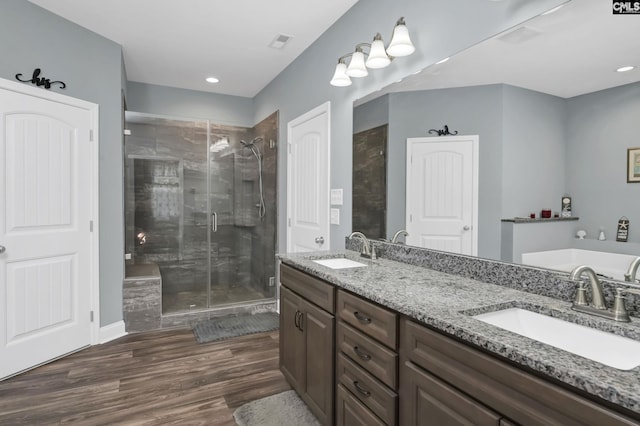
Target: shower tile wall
{"x":370,"y":182}
{"x":166,"y":199}
{"x":264,"y":237}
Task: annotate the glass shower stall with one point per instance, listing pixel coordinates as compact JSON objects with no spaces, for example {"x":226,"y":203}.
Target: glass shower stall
{"x":201,"y":204}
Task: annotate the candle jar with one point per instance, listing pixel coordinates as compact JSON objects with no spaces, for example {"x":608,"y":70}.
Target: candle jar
{"x":545,"y":214}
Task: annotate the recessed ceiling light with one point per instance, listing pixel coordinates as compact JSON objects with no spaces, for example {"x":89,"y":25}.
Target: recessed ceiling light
{"x":211,"y":80}
{"x":624,"y":69}
{"x":442,"y":61}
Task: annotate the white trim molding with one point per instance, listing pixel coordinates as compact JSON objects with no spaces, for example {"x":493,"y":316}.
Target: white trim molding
{"x":112,"y":331}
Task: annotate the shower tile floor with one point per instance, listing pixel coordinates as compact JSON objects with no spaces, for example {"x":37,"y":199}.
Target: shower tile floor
{"x":187,"y":301}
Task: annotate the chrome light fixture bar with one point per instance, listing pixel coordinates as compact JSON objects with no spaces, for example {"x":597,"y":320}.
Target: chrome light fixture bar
{"x":377,"y":56}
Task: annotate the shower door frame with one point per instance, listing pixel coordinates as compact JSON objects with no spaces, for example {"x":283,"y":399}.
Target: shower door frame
{"x":211,"y":127}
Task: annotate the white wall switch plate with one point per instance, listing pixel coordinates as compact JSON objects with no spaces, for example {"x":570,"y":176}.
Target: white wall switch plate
{"x":127,"y":256}
{"x":336,"y":197}
{"x":335,"y":216}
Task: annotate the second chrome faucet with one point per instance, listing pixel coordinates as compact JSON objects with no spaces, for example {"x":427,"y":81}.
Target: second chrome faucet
{"x":368,"y":250}
{"x":598,"y":306}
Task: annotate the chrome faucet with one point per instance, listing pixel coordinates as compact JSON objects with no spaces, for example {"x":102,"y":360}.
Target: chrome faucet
{"x":397,"y":234}
{"x":597,"y":306}
{"x":368,"y":250}
{"x":630,"y":276}
{"x":597,"y":298}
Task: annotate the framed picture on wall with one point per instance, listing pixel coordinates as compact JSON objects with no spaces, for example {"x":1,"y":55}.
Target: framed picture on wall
{"x":633,"y":165}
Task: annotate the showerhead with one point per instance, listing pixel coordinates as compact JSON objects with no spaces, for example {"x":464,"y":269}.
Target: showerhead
{"x":252,"y":143}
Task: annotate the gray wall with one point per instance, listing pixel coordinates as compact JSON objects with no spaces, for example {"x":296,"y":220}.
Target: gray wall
{"x":371,"y":114}
{"x":438,"y":29}
{"x":600,"y":128}
{"x":469,"y":111}
{"x":91,"y":66}
{"x":183,"y":103}
{"x":533,"y":154}
{"x":522,"y":149}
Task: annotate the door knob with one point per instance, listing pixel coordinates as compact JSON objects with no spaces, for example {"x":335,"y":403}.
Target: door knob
{"x":466,"y":228}
{"x":2,"y":249}
{"x":320,"y":240}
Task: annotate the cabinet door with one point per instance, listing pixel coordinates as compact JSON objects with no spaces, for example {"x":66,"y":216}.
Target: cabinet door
{"x":425,"y":400}
{"x":319,"y":332}
{"x":292,"y":354}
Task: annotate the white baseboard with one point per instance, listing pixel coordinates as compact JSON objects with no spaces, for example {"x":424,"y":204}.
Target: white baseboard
{"x":112,"y":331}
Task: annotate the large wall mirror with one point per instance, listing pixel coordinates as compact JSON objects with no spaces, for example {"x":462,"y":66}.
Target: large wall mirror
{"x":553,"y":118}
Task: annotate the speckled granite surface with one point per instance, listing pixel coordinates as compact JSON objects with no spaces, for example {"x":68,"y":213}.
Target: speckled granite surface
{"x":446,"y":301}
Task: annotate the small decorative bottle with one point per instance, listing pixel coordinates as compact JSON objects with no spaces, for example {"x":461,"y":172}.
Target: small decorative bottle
{"x":601,"y":237}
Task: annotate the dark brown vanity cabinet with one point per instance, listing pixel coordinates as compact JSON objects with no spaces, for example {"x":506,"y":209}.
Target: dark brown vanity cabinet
{"x":307,"y":336}
{"x":367,"y":362}
{"x":446,"y":382}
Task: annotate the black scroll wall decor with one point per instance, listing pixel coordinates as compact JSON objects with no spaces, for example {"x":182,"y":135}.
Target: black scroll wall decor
{"x":443,"y":132}
{"x":40,"y":81}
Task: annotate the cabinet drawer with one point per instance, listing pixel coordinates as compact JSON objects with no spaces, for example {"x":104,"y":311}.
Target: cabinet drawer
{"x":371,"y":392}
{"x":378,"y":360}
{"x":375,"y":321}
{"x":351,"y":412}
{"x":520,"y":396}
{"x":313,"y":289}
{"x":429,"y":401}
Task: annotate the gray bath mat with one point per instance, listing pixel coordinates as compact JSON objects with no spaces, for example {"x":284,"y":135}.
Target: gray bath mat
{"x":233,"y":326}
{"x":283,"y":409}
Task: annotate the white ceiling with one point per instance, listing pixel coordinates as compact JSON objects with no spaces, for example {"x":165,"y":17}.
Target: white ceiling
{"x":573,"y":51}
{"x":179,"y":43}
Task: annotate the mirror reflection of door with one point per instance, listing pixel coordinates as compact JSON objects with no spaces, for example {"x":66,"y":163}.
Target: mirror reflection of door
{"x":442,"y":193}
{"x":370,"y":182}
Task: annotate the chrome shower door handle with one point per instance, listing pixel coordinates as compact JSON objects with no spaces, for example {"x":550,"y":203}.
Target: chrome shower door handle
{"x":2,"y":249}
{"x":214,"y":222}
{"x":320,"y":240}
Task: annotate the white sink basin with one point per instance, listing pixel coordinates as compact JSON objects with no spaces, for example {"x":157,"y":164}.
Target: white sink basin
{"x":609,"y":349}
{"x":339,"y":263}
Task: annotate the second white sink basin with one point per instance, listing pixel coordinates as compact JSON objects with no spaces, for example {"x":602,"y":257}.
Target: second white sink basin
{"x":609,"y":349}
{"x":339,"y":263}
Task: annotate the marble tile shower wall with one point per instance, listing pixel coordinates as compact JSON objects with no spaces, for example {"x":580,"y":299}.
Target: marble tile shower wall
{"x":166,"y":199}
{"x":370,"y":182}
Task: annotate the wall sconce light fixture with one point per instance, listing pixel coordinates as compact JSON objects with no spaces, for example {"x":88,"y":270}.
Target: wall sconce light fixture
{"x":377,"y":57}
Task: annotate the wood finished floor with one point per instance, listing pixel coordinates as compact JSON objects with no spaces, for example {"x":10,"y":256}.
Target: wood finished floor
{"x":155,"y":378}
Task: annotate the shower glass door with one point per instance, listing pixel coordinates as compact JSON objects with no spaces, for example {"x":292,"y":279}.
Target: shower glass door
{"x":191,"y":195}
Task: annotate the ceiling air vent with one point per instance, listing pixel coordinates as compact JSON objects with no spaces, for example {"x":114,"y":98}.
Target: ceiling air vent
{"x":280,"y":41}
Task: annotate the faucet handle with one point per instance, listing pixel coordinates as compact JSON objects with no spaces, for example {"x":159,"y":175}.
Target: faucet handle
{"x":619,"y":309}
{"x":581,"y":295}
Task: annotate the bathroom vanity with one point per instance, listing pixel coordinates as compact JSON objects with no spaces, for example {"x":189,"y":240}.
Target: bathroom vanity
{"x":398,"y":344}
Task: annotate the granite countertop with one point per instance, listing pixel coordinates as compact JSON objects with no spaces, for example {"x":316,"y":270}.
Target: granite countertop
{"x":446,"y":303}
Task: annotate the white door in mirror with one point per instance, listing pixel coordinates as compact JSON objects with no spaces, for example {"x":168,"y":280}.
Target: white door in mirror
{"x":442,"y":193}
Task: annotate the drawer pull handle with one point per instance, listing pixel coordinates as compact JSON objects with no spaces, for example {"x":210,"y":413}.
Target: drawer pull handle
{"x":361,"y":354}
{"x":361,"y":389}
{"x":297,"y":320}
{"x":362,"y":318}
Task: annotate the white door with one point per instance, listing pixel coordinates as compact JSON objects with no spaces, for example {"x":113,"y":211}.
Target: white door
{"x":308,"y":181}
{"x":442,"y":193}
{"x":45,"y":191}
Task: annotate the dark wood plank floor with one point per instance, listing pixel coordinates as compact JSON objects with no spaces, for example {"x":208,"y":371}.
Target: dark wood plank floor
{"x":155,"y":378}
